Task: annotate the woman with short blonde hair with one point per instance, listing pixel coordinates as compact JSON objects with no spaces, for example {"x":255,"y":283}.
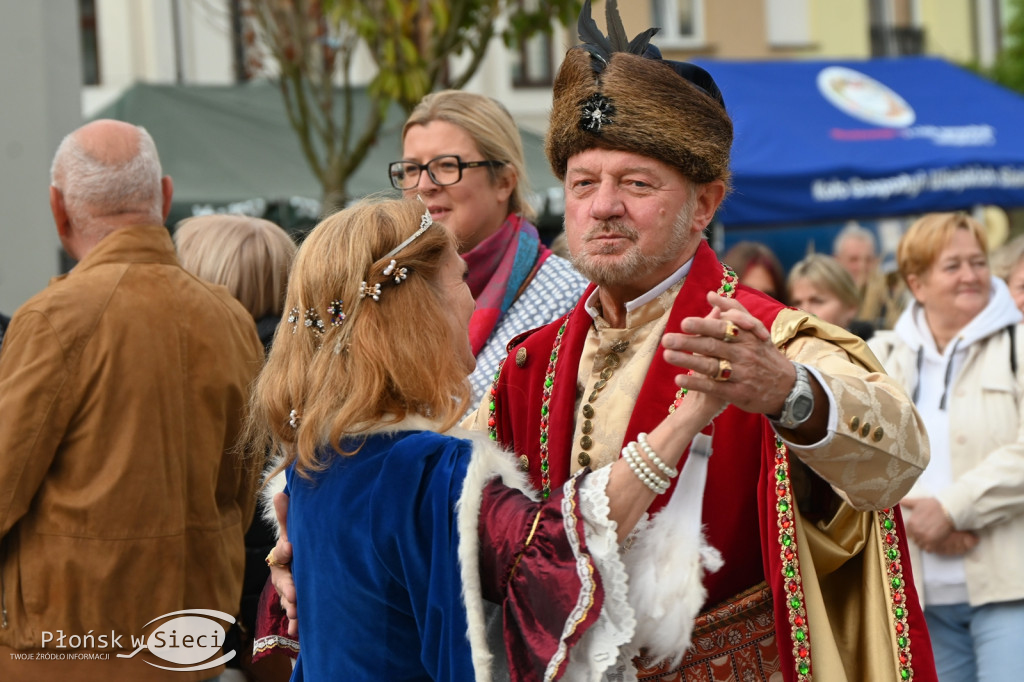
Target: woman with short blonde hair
{"x":956,"y":349}
{"x":820,"y":285}
{"x":250,"y":256}
{"x":1008,"y":264}
{"x":926,"y":238}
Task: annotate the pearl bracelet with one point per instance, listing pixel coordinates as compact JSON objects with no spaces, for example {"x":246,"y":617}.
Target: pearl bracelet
{"x":655,"y":460}
{"x":640,"y":469}
{"x":642,"y":463}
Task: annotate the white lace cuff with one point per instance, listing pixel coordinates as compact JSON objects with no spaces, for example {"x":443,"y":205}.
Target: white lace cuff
{"x":598,"y":649}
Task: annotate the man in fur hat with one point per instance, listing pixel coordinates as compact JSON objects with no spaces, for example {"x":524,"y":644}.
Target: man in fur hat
{"x":817,"y":446}
{"x":802,"y":551}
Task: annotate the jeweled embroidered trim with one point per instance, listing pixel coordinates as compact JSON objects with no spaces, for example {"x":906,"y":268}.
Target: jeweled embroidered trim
{"x":791,"y":580}
{"x":727,"y":288}
{"x":549,"y":382}
{"x":545,"y":404}
{"x":492,"y":403}
{"x":893,"y":556}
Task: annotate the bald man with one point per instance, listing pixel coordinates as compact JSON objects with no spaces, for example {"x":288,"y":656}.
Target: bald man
{"x":122,"y":390}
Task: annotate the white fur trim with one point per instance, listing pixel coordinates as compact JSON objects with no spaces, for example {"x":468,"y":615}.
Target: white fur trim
{"x":266,"y":502}
{"x":487,"y":463}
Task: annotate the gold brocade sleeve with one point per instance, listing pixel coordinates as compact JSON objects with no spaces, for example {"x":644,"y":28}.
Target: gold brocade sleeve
{"x":877,"y":451}
{"x":880,"y":445}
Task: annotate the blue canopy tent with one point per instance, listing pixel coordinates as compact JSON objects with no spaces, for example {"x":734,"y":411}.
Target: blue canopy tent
{"x":824,"y":142}
{"x":818,"y":141}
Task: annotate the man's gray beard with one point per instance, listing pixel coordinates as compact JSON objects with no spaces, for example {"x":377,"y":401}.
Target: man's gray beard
{"x":633,"y":264}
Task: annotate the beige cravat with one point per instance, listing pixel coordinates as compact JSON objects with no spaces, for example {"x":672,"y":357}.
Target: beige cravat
{"x":611,"y":371}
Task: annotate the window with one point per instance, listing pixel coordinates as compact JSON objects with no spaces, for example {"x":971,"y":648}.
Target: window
{"x":681,"y":22}
{"x":532,"y":63}
{"x":533,"y":60}
{"x":895,"y":28}
{"x":243,"y":34}
{"x":90,"y":44}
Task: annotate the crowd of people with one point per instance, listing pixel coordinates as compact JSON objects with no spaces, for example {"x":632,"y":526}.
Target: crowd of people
{"x":481,"y":460}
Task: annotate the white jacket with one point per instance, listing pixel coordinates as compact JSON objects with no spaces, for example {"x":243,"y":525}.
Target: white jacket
{"x":985,"y":436}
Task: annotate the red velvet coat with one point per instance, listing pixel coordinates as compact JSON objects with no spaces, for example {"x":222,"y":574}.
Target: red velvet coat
{"x":747,"y":475}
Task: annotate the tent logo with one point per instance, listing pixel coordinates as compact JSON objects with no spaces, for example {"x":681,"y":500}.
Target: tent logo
{"x":863,"y":97}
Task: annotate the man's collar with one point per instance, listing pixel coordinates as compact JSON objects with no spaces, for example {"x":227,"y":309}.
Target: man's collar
{"x":593,"y":306}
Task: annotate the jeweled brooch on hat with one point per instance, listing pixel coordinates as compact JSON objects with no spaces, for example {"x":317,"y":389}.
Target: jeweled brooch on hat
{"x":595,"y":112}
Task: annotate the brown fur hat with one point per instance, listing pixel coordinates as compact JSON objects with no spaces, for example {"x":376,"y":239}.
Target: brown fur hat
{"x":640,"y":105}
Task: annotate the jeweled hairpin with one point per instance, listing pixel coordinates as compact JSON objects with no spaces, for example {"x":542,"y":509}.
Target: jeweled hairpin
{"x":400,"y":273}
{"x":371,"y":291}
{"x":293,"y":419}
{"x":313,"y":321}
{"x":335,"y":311}
{"x":425,"y":221}
{"x":293,"y":318}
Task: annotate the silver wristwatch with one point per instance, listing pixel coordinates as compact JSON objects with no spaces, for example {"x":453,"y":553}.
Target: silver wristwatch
{"x":799,"y":403}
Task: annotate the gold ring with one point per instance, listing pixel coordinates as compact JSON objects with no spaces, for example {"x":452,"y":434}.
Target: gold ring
{"x":272,"y":562}
{"x":724,"y":370}
{"x":731,"y":330}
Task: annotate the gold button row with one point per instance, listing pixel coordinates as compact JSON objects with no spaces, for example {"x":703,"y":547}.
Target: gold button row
{"x":865,"y":429}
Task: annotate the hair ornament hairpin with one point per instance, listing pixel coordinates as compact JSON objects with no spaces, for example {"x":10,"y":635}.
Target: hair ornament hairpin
{"x":399,"y":273}
{"x":294,"y":419}
{"x":371,"y":291}
{"x":293,"y":318}
{"x":334,"y":309}
{"x":313,"y":322}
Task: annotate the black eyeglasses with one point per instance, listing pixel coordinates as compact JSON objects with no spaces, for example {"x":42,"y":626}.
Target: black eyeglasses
{"x":443,"y":170}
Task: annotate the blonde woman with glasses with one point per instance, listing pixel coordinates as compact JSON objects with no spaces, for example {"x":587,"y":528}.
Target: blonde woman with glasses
{"x":462,"y":154}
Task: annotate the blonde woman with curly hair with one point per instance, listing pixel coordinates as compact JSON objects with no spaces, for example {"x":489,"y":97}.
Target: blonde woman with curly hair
{"x":401,"y":528}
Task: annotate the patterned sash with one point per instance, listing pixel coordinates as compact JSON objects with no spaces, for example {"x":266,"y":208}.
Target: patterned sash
{"x":732,"y":642}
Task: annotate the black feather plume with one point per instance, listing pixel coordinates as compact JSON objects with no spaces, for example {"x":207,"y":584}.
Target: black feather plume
{"x":594,"y":41}
{"x":639,"y":44}
{"x":601,"y":47}
{"x":616,"y":31}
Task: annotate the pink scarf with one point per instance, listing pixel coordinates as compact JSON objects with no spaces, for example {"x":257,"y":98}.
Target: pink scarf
{"x":500,"y":267}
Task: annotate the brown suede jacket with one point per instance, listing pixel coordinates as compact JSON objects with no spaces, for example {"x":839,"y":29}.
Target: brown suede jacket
{"x":123,"y":387}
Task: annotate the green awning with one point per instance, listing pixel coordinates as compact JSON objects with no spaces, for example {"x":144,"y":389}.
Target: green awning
{"x":231,"y":149}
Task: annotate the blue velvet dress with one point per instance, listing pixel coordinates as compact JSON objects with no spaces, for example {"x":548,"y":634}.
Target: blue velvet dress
{"x":376,"y":562}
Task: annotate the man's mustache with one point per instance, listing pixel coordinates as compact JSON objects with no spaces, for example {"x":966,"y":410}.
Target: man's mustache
{"x":612,"y":229}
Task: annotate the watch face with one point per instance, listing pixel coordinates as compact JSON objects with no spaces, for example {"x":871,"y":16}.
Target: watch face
{"x":802,"y":408}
